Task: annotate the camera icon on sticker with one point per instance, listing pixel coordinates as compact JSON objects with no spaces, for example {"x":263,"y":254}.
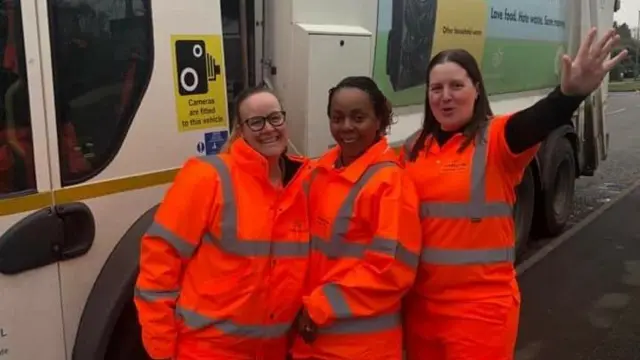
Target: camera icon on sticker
{"x":195,"y":67}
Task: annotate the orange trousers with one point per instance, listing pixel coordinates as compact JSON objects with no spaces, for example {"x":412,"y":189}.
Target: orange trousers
{"x":383,"y":345}
{"x":207,"y":349}
{"x":469,"y":331}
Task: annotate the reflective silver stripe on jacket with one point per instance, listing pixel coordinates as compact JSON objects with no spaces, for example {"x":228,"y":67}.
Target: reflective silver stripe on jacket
{"x":408,"y":144}
{"x":436,"y":256}
{"x":184,"y":248}
{"x":229,"y":327}
{"x":306,"y":184}
{"x":476,"y":209}
{"x":196,"y":321}
{"x":156,"y":295}
{"x":363,"y":325}
{"x":229,"y":241}
{"x":346,"y":323}
{"x":338,"y":246}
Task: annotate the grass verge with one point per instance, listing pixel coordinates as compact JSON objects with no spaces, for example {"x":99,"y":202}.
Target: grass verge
{"x":624,"y":86}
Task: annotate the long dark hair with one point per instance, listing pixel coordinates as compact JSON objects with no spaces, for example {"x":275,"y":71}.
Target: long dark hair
{"x":381,"y":105}
{"x":481,"y":108}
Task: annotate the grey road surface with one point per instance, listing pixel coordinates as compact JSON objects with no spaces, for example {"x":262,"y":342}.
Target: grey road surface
{"x":622,"y":167}
{"x":582,"y":301}
{"x":618,"y":171}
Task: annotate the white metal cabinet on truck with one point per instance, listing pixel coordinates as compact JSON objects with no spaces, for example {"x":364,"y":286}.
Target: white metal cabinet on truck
{"x":101,"y":101}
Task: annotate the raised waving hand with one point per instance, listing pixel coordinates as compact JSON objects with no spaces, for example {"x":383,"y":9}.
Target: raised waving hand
{"x":584,"y":73}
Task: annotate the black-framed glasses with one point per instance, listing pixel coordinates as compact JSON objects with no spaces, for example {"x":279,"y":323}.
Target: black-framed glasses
{"x":257,"y":123}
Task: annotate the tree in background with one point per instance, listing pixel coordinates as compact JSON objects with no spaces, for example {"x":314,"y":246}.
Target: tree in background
{"x":623,"y":30}
{"x":628,"y":67}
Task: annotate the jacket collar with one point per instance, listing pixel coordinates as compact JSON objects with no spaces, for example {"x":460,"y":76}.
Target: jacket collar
{"x":248,"y":158}
{"x":257,"y":165}
{"x":378,"y":152}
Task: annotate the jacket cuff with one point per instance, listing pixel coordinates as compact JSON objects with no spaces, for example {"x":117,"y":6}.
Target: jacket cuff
{"x":161,"y":349}
{"x":568,"y":101}
{"x":317,"y":307}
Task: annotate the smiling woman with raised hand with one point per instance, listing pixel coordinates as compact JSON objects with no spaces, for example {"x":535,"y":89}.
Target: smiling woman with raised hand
{"x":222,"y":267}
{"x":365,"y":235}
{"x":465,"y":163}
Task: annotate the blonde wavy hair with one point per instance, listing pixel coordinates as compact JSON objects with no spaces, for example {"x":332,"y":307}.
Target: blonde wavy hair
{"x":235,"y":135}
{"x":236,"y":132}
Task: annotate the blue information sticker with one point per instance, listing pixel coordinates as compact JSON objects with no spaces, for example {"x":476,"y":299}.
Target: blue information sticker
{"x":213,"y":142}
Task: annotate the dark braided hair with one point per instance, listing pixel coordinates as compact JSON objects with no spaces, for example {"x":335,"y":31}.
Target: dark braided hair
{"x":381,"y":105}
{"x":481,"y":109}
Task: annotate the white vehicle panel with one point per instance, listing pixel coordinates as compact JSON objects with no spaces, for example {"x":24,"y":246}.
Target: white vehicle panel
{"x":77,"y":276}
{"x":155,"y":125}
{"x":30,"y":311}
{"x":153,"y":143}
{"x":30,"y":304}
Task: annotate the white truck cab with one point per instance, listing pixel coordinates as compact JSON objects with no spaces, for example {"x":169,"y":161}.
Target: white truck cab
{"x":101,"y":101}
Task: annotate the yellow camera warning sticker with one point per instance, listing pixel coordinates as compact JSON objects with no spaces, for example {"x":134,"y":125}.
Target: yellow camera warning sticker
{"x":199,"y":83}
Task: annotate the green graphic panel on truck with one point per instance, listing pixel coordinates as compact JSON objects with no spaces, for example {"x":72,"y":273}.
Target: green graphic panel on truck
{"x":518,"y":43}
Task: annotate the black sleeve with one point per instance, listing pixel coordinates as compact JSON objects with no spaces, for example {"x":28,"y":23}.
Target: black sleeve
{"x":530,"y":126}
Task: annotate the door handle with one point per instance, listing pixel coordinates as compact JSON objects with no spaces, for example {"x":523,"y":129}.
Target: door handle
{"x":47,"y":236}
{"x":29,"y":243}
{"x":79,"y":229}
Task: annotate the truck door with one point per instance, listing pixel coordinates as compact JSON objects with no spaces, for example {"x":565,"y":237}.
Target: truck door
{"x":242,"y":34}
{"x":601,"y":14}
{"x":268,"y":15}
{"x":591,"y":125}
{"x":30,"y":229}
{"x":600,"y":133}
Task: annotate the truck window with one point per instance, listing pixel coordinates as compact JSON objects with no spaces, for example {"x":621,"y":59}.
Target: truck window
{"x":17,"y":171}
{"x":233,"y":53}
{"x":102,"y":61}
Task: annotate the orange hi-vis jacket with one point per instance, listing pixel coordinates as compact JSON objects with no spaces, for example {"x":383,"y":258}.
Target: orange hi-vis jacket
{"x":223,"y":266}
{"x":466,"y":201}
{"x":365,"y":246}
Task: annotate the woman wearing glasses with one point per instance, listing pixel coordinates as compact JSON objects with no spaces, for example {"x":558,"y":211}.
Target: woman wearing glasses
{"x":222,"y":267}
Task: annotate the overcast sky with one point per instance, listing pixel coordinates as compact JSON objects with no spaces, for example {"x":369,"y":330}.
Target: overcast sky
{"x":628,"y":12}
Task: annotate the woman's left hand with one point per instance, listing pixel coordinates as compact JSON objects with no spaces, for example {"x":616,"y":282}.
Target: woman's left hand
{"x":306,"y":327}
{"x":582,"y":75}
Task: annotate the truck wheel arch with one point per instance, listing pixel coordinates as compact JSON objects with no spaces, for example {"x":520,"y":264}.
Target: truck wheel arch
{"x":549,"y":219}
{"x":566,"y":131}
{"x":117,"y":279}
